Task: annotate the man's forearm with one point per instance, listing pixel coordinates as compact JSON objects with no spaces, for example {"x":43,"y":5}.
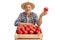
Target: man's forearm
{"x":40,"y":20}
{"x":40,"y":17}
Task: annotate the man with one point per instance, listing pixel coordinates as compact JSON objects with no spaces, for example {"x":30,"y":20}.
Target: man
{"x":29,"y":17}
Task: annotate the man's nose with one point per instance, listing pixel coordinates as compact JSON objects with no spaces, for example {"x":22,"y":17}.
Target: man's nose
{"x":27,"y":8}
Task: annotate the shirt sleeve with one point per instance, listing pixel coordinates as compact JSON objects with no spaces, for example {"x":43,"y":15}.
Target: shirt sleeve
{"x":18,"y":20}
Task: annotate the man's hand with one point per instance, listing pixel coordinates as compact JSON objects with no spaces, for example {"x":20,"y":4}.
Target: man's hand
{"x":43,"y":13}
{"x":40,"y":17}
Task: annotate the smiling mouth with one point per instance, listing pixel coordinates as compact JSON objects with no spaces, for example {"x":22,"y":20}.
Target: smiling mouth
{"x":27,"y":10}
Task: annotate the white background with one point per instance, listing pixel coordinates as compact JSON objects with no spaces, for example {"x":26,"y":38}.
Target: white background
{"x":10,"y":9}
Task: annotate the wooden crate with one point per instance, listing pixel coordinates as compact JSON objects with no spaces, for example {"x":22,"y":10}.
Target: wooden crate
{"x":28,"y":36}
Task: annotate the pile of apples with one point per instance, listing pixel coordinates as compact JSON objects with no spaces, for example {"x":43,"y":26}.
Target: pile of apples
{"x":28,"y":29}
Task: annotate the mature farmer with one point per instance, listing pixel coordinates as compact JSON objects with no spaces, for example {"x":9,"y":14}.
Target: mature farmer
{"x":28,"y":17}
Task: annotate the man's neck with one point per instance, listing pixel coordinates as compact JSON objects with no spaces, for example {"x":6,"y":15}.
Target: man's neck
{"x":27,"y":14}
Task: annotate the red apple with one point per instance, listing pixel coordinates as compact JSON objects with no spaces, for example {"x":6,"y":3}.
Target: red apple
{"x":24,"y":25}
{"x":23,"y":28}
{"x":25,"y":32}
{"x":37,"y":27}
{"x":46,"y":9}
{"x":30,"y":26}
{"x":27,"y":28}
{"x":20,"y":25}
{"x":19,"y":28}
{"x":19,"y":31}
{"x":31,"y":32}
{"x":34,"y":27}
{"x":37,"y":31}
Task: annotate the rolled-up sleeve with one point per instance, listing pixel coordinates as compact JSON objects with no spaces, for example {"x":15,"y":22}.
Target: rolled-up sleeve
{"x":18,"y":20}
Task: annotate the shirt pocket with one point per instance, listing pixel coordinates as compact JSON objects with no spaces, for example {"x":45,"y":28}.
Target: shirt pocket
{"x":23,"y":19}
{"x":31,"y":20}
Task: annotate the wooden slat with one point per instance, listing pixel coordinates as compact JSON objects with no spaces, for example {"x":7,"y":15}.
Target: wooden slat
{"x":28,"y":36}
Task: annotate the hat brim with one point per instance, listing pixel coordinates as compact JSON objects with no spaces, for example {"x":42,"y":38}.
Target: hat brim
{"x":26,"y":3}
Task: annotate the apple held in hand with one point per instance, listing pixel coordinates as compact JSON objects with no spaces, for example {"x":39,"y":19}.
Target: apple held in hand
{"x":44,"y":12}
{"x":46,"y":9}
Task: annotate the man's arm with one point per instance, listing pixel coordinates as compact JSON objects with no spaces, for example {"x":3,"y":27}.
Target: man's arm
{"x":40,"y":18}
{"x":18,"y":20}
{"x":39,"y":21}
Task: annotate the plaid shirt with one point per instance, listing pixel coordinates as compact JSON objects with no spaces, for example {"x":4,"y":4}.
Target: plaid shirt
{"x":22,"y":18}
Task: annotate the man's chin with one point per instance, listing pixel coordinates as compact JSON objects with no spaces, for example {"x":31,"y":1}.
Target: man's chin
{"x":28,"y":12}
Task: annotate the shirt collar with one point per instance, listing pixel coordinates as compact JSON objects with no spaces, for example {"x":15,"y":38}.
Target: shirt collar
{"x":25,"y":13}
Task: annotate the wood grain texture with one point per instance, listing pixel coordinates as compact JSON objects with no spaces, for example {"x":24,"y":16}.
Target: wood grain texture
{"x":28,"y":36}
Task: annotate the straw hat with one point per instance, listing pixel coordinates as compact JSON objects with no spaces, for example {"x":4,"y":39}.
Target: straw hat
{"x":27,"y":3}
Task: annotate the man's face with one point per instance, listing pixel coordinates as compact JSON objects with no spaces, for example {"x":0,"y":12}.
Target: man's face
{"x":28,"y":8}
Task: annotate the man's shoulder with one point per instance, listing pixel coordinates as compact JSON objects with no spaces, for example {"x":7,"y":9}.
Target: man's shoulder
{"x":22,"y":13}
{"x":33,"y":13}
